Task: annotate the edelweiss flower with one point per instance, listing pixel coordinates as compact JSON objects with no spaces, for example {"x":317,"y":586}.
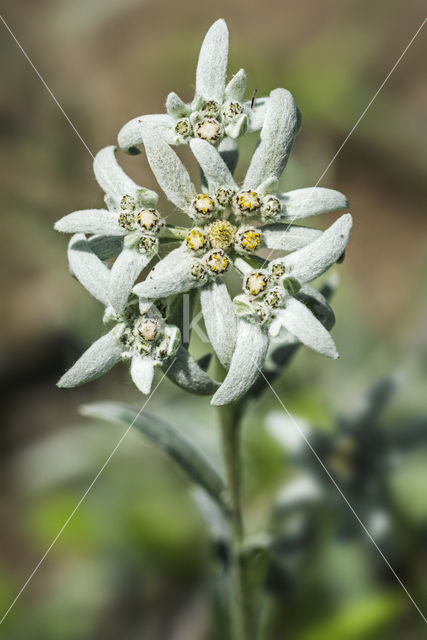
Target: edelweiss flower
{"x":224,"y":217}
{"x":217,"y":110}
{"x":139,"y":333}
{"x":131,"y":217}
{"x":269,"y":303}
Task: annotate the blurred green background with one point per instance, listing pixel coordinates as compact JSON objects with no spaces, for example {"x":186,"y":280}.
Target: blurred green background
{"x":136,"y":561}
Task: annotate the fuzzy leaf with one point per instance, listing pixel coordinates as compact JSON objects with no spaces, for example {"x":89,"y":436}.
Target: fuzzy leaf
{"x":287,"y":237}
{"x":101,"y":356}
{"x":176,"y":107}
{"x":220,"y":320}
{"x":170,"y":276}
{"x":168,"y":439}
{"x":187,"y":374}
{"x":116,"y":183}
{"x":130,"y":135}
{"x":314,"y":259}
{"x":213,"y":166}
{"x":124,"y":272}
{"x":248,"y":359}
{"x":301,"y":322}
{"x":229,"y":152}
{"x":168,"y":169}
{"x":256,"y":113}
{"x":312,"y":201}
{"x":97,"y":221}
{"x":142,"y":373}
{"x":89,"y":270}
{"x":106,"y":247}
{"x":212,"y":63}
{"x":276,"y":139}
{"x":235,"y":90}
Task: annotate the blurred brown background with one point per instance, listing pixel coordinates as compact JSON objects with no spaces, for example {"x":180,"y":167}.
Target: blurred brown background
{"x":120,"y":569}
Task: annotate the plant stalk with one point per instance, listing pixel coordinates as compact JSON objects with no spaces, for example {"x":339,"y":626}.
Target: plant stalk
{"x":239,"y":600}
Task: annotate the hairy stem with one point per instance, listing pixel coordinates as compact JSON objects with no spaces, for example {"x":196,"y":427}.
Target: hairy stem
{"x":239,"y":600}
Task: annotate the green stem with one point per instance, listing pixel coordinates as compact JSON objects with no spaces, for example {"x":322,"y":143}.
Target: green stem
{"x":239,"y":600}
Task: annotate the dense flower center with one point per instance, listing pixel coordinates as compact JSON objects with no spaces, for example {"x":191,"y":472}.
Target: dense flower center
{"x":203,"y":204}
{"x":256,"y":283}
{"x":208,"y":129}
{"x":217,"y":261}
{"x":248,"y":201}
{"x":148,"y":219}
{"x":221,"y":234}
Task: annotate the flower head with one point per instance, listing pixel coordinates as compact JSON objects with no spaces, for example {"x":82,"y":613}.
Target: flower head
{"x":218,"y":110}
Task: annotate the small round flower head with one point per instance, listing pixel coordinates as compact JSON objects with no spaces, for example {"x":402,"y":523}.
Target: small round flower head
{"x":203,"y":204}
{"x":221,"y":234}
{"x":270,"y":207}
{"x":231,"y":110}
{"x":127,"y":220}
{"x":128,"y":203}
{"x":248,"y":239}
{"x":277,"y":270}
{"x":124,"y":336}
{"x":148,"y":329}
{"x":211,"y":109}
{"x":224,"y":196}
{"x":183,"y":128}
{"x":262,"y":314}
{"x":148,"y":219}
{"x":196,"y":239}
{"x":248,"y":202}
{"x":197,"y":270}
{"x":208,"y":129}
{"x":216,"y":261}
{"x":147,"y":243}
{"x":256,"y":282}
{"x":273,"y":297}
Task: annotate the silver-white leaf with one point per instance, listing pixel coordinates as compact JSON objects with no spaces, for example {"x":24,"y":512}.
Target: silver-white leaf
{"x":89,"y":270}
{"x":184,"y":371}
{"x":300,"y":321}
{"x":213,"y":166}
{"x":97,"y":360}
{"x":91,"y":221}
{"x":248,"y":358}
{"x":168,"y":169}
{"x":130,"y":135}
{"x":212,"y":64}
{"x":287,"y":237}
{"x":220,"y":320}
{"x":311,"y":201}
{"x":314,"y":259}
{"x":123,"y":275}
{"x":276,"y":139}
{"x":142,"y":373}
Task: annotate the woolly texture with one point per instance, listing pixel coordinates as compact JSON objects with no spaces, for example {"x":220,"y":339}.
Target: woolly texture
{"x":299,"y":320}
{"x":314,"y":259}
{"x":142,"y":373}
{"x":276,"y":139}
{"x":212,"y":64}
{"x":288,"y":237}
{"x":170,"y":173}
{"x":88,"y":268}
{"x":124,"y":272}
{"x":246,"y":363}
{"x":97,"y":221}
{"x":220,"y":320}
{"x":101,"y":356}
{"x":311,"y":201}
{"x":213,"y":166}
{"x":186,"y":373}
